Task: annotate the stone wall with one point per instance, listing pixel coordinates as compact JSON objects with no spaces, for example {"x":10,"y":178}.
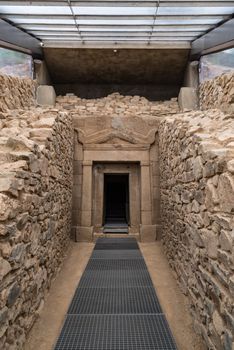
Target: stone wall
{"x":16,"y":92}
{"x":117,"y":105}
{"x":197,"y":205}
{"x":218,"y":93}
{"x":36,"y":152}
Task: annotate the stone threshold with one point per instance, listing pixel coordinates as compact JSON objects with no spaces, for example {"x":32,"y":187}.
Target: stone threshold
{"x":116,"y":235}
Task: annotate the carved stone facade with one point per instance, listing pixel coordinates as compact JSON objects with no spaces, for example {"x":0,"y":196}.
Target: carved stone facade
{"x":115,"y":145}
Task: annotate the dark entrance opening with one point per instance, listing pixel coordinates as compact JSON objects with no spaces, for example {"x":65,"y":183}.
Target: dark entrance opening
{"x":116,"y":203}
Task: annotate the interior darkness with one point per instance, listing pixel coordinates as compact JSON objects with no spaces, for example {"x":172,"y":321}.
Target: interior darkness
{"x":116,"y":199}
{"x":156,"y":74}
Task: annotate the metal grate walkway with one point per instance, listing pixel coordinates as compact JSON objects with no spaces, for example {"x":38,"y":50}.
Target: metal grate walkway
{"x":115,"y":306}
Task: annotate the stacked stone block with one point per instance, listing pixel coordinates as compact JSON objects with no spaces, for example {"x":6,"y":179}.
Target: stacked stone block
{"x":36,"y":154}
{"x":16,"y":92}
{"x":218,"y":93}
{"x":116,"y":105}
{"x":197,"y":211}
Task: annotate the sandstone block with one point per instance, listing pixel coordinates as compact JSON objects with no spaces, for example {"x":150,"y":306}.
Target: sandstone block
{"x":188,"y":98}
{"x":46,"y":95}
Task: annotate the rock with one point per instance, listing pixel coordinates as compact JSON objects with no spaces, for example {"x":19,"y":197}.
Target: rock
{"x":212,"y":197}
{"x":5,"y":183}
{"x":13,"y":294}
{"x":195,"y":206}
{"x":230,"y":166}
{"x":20,"y":143}
{"x":3,"y":320}
{"x":43,"y":123}
{"x":42,"y":133}
{"x":211,"y":243}
{"x":228,"y":343}
{"x":209,"y":169}
{"x":198,"y":168}
{"x":22,"y":220}
{"x":226,"y":239}
{"x":7,"y":207}
{"x":218,"y":323}
{"x":5,"y":268}
{"x":226,"y":192}
{"x":18,"y":253}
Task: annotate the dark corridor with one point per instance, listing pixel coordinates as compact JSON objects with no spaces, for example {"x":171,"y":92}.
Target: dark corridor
{"x":116,"y":199}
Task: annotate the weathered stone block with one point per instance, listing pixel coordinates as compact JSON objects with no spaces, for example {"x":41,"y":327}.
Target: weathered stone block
{"x":5,"y":268}
{"x":148,"y":233}
{"x":84,"y":234}
{"x":226,"y":192}
{"x":188,"y":98}
{"x":13,"y":294}
{"x":46,"y":95}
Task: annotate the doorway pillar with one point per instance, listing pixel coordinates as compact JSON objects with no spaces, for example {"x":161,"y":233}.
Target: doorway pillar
{"x":85,"y":231}
{"x":147,"y":229}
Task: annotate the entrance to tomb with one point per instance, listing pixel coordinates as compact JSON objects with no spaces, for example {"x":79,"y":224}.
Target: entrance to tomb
{"x":116,"y":203}
{"x":116,"y":198}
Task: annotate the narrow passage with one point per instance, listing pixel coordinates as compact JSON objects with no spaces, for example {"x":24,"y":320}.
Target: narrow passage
{"x":115,"y":306}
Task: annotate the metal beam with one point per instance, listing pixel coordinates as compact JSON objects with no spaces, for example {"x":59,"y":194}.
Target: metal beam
{"x":34,"y":17}
{"x":19,"y":38}
{"x":215,"y":40}
{"x":118,"y":33}
{"x":121,"y":3}
{"x":119,"y":45}
{"x":173,"y":27}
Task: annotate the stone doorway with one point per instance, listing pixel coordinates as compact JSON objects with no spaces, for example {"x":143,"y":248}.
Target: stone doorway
{"x":116,"y":203}
{"x":116,"y":149}
{"x":116,"y":197}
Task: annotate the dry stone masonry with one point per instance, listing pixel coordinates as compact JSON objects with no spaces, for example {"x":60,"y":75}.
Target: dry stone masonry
{"x":218,"y":93}
{"x":49,"y":157}
{"x":16,"y":93}
{"x":36,"y":152}
{"x":197,"y":206}
{"x":118,"y":105}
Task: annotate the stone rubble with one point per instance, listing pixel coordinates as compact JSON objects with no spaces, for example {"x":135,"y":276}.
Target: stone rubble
{"x":118,"y":105}
{"x":196,"y":151}
{"x":36,"y":154}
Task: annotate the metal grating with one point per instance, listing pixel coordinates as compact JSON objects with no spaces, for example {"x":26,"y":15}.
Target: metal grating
{"x":114,"y":246}
{"x":117,"y":254}
{"x":116,"y":264}
{"x":112,"y":332}
{"x":115,"y":279}
{"x":140,"y":300}
{"x":115,"y":306}
{"x":116,"y":240}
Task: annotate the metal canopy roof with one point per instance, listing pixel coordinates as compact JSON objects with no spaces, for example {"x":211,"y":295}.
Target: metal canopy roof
{"x":112,"y":22}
